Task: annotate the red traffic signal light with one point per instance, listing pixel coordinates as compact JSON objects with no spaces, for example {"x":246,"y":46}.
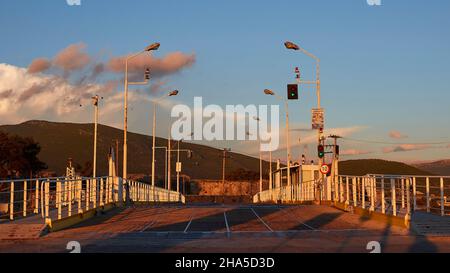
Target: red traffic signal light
{"x":292,"y":90}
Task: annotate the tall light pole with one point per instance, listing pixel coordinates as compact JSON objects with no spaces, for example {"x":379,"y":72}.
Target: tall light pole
{"x":94,"y":162}
{"x":292,"y":46}
{"x":155,"y":102}
{"x":288,"y":148}
{"x":149,"y":48}
{"x":179,"y":163}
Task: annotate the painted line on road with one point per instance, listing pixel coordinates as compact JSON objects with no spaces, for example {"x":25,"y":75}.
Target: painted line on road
{"x":190,"y":221}
{"x":147,"y":226}
{"x":267,"y":226}
{"x":226,"y":221}
{"x":298,"y":221}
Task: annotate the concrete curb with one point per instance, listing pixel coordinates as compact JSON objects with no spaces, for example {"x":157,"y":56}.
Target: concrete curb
{"x":64,"y":223}
{"x":373,"y":215}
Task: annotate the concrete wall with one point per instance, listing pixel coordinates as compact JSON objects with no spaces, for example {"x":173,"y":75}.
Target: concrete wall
{"x":230,"y":188}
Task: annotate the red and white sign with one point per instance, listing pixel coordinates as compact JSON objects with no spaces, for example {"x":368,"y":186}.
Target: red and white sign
{"x":324,"y":169}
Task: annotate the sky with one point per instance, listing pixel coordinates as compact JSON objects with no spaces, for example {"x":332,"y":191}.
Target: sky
{"x":384,"y":69}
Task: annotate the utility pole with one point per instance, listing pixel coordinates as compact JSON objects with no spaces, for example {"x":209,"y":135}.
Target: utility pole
{"x":335,"y":163}
{"x":94,"y":163}
{"x":224,"y":156}
{"x":168,"y":161}
{"x":117,"y":157}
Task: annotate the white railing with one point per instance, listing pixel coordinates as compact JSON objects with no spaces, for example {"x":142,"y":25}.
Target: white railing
{"x":396,"y":195}
{"x":304,"y":191}
{"x":60,"y":197}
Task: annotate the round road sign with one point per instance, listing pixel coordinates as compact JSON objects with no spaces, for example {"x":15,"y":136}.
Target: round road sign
{"x":324,"y":169}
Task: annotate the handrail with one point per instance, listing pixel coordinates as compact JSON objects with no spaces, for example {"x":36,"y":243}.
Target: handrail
{"x":60,"y":197}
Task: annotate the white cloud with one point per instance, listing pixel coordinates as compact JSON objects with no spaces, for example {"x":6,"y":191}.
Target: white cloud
{"x":38,"y":96}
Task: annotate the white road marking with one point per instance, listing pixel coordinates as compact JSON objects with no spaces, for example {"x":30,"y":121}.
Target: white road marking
{"x":190,"y":221}
{"x":226,"y":221}
{"x":298,"y":221}
{"x":267,"y":226}
{"x":147,"y":226}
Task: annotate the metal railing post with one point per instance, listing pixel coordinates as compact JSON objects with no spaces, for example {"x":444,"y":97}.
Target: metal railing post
{"x":24,"y":198}
{"x":347,"y":188}
{"x":442,"y":197}
{"x":11,"y":201}
{"x":363,"y":193}
{"x":403,"y":192}
{"x":88,"y":194}
{"x":79,"y":194}
{"x":428,"y":193}
{"x":355,"y":196}
{"x":372,"y":193}
{"x":101,"y":192}
{"x":36,"y":199}
{"x":393,"y":201}
{"x":58,"y":198}
{"x":94,"y":192}
{"x":414,"y":194}
{"x":47,"y":199}
{"x":383,"y":200}
{"x":408,"y":201}
{"x":70,"y":197}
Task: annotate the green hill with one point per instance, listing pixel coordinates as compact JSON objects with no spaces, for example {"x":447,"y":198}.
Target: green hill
{"x":377,"y":166}
{"x":59,"y":141}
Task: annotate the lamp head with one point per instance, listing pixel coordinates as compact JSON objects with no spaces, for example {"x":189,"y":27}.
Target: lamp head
{"x":153,"y":46}
{"x":291,"y":45}
{"x":173,"y":93}
{"x":269,"y":92}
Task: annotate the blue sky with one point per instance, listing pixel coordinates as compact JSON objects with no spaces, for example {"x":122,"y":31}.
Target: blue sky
{"x":382,"y":68}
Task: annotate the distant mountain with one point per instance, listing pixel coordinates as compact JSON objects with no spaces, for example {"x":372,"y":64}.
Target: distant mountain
{"x":59,"y":141}
{"x":377,"y":166}
{"x":441,"y":167}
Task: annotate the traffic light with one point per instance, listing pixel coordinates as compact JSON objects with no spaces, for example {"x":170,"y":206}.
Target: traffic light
{"x":329,"y":169}
{"x":321,"y":151}
{"x":292,"y":90}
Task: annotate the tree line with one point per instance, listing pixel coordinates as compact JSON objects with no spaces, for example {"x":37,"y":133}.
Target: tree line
{"x":19,"y":157}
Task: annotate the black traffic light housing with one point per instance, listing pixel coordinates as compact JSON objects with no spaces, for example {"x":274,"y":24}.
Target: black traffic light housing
{"x":321,"y":151}
{"x":337,"y":149}
{"x":329,"y":169}
{"x":292,"y":91}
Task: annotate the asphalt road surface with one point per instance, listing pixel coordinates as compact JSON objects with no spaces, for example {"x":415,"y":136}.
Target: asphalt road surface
{"x":221,"y":228}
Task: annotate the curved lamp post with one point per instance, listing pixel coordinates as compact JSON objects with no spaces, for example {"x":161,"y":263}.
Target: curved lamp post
{"x":288,"y":148}
{"x":149,"y":48}
{"x":155,"y":102}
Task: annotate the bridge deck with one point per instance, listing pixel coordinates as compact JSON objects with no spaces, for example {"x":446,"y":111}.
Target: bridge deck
{"x":216,"y":228}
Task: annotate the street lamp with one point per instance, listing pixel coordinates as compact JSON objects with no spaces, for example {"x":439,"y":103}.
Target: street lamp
{"x":149,"y":48}
{"x":155,"y":102}
{"x":292,"y":46}
{"x":178,"y":169}
{"x":95,"y":100}
{"x":260,"y":158}
{"x":271,"y":93}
